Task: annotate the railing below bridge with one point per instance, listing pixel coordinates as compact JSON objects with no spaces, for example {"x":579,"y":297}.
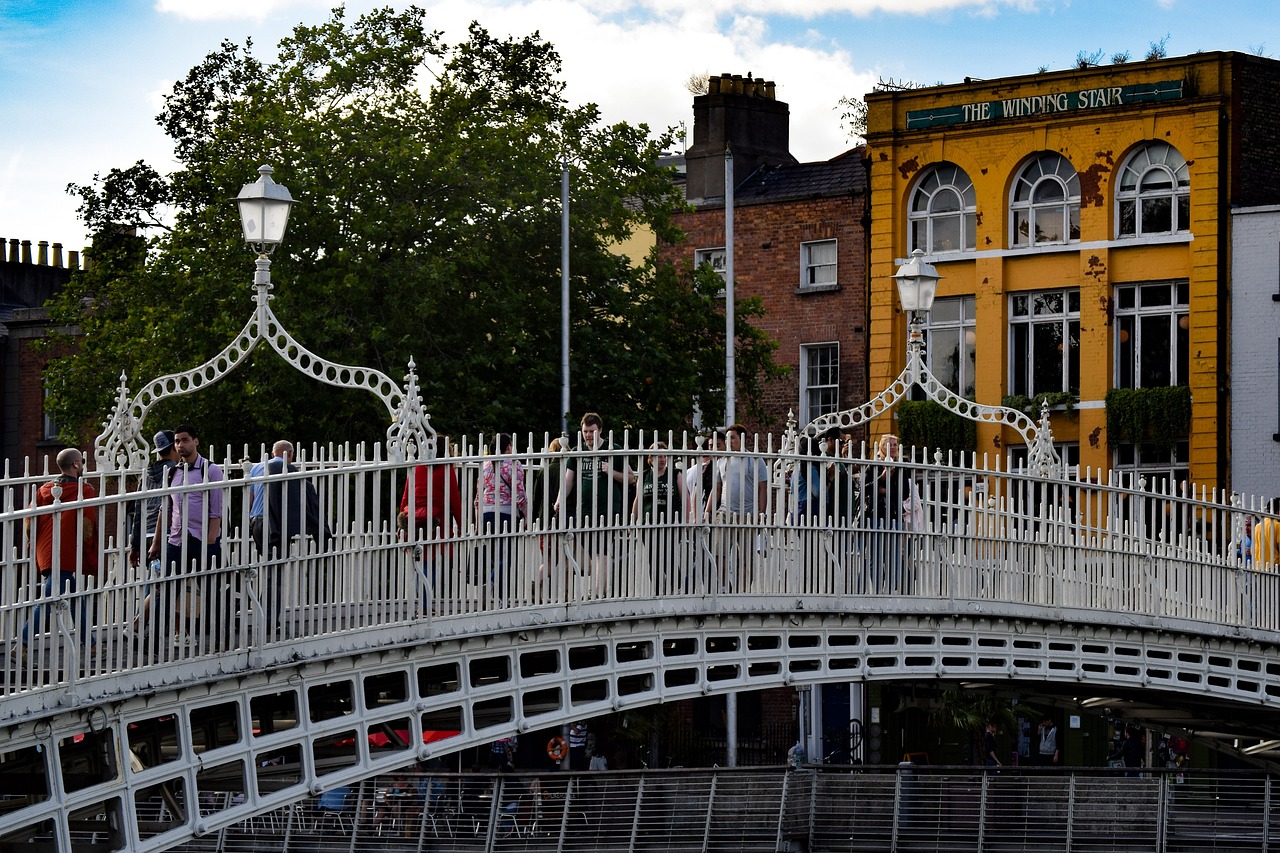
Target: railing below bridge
{"x":816,"y":809}
{"x":892,"y":529}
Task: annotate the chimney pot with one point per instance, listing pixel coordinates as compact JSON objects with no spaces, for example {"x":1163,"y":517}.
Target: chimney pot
{"x":57,"y":255}
{"x":26,"y":251}
{"x":42,"y":253}
{"x":73,"y":260}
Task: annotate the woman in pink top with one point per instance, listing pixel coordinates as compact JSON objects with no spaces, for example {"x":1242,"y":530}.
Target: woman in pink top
{"x":500,"y":503}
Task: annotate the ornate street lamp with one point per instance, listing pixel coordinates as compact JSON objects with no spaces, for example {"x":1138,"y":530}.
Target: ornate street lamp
{"x":264,"y":212}
{"x":917,"y":283}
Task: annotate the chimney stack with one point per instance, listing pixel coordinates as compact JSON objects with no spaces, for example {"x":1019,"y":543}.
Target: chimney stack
{"x":740,"y":113}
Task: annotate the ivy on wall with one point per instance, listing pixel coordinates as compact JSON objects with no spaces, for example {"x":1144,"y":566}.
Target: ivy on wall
{"x":1159,"y":415}
{"x":924,"y":423}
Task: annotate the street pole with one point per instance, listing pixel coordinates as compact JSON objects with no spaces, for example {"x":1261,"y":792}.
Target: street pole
{"x":730,"y":336}
{"x":564,"y":295}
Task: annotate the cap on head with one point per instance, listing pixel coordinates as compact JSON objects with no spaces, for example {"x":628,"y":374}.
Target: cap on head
{"x":163,"y":440}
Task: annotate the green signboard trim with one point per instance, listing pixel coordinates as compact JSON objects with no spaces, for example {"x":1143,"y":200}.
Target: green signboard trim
{"x":1045,"y":104}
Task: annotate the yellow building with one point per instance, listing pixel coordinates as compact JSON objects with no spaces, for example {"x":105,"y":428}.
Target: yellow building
{"x":1079,"y":220}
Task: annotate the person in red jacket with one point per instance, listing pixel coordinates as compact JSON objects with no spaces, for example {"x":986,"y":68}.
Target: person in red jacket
{"x":431,"y":510}
{"x":66,"y":541}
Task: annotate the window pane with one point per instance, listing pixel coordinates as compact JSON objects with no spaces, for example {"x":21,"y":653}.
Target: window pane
{"x":946,"y":233}
{"x":970,"y":228}
{"x":945,"y":311}
{"x":1153,"y":335}
{"x":1021,"y":227}
{"x":1048,"y":303}
{"x":1128,"y":226}
{"x":822,"y":253}
{"x":944,"y":357}
{"x":1184,"y":351}
{"x":1157,"y":216}
{"x":968,"y":364}
{"x":919,"y":229}
{"x":1124,"y":352}
{"x":1048,"y":356}
{"x":1019,"y":353}
{"x":1048,"y":191}
{"x":946,"y":201}
{"x":1155,"y":294}
{"x":1073,"y":358}
{"x":1049,"y":222}
{"x":1184,"y":213}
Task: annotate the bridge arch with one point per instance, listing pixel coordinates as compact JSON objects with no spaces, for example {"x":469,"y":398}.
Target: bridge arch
{"x":279,"y":734}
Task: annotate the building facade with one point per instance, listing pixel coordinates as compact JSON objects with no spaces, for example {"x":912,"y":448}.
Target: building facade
{"x":26,"y":283}
{"x":1255,"y":351}
{"x":1081,"y":223}
{"x":799,"y":245}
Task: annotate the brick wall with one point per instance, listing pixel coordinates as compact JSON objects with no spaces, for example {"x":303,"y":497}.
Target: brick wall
{"x":767,"y":240}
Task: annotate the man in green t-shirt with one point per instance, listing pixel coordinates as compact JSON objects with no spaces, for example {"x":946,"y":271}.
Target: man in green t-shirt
{"x":593,"y":494}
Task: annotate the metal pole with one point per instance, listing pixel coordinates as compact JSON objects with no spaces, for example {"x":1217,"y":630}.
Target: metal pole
{"x":730,"y":336}
{"x":564,"y":295}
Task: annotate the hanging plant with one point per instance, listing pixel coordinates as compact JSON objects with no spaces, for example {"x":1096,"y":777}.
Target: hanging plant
{"x":924,"y":423}
{"x":1159,"y":415}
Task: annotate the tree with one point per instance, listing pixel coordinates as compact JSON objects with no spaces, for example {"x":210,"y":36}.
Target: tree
{"x":428,"y":227}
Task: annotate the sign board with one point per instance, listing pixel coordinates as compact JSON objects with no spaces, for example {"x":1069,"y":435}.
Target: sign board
{"x":1044,"y":103}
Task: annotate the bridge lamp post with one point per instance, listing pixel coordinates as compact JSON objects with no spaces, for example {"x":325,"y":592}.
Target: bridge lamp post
{"x":264,"y":214}
{"x":917,"y":284}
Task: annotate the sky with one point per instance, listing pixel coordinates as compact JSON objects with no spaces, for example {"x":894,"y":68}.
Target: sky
{"x":81,"y":81}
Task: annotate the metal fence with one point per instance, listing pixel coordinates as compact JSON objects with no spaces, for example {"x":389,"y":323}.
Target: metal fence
{"x":814,"y":809}
{"x":954,"y":529}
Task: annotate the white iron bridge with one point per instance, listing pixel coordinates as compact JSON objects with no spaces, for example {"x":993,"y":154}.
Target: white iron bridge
{"x":341,"y":657}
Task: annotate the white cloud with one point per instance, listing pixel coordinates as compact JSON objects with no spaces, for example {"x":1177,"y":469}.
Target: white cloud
{"x":222,"y":10}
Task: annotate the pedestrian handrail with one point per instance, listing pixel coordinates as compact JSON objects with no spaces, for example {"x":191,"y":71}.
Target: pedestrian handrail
{"x":954,"y":529}
{"x":768,"y":809}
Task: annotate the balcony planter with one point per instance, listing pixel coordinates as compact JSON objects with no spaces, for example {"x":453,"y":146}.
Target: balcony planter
{"x":1059,"y":401}
{"x":1161,"y":416}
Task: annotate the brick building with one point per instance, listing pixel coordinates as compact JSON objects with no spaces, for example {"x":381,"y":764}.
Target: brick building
{"x":1081,"y":223}
{"x":800,"y":243}
{"x":26,"y":283}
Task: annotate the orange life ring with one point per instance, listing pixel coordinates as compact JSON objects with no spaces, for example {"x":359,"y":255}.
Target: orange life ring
{"x":557,"y":749}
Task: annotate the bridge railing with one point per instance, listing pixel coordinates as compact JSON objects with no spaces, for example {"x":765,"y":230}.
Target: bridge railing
{"x":338,"y":564}
{"x":817,"y":808}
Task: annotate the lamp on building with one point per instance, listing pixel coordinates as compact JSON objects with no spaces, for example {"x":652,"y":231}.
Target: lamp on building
{"x":264,"y":212}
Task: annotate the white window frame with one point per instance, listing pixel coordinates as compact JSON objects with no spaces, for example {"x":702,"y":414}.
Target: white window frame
{"x":1131,"y":318}
{"x":942,"y":194}
{"x":715,"y":257}
{"x":1163,"y":467}
{"x":1046,"y":189}
{"x":808,"y":388}
{"x":965,"y":325}
{"x":48,"y":426}
{"x":810,"y":269}
{"x":1154,"y":175}
{"x":1035,"y":313}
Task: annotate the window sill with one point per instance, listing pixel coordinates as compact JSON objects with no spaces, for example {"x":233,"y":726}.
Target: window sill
{"x":818,"y":288}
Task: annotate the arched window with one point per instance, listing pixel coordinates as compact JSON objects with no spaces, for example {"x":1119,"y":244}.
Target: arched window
{"x":943,"y":213}
{"x":1153,"y":194}
{"x":1045,"y":207}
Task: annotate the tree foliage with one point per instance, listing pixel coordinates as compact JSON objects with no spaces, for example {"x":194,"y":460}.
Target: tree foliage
{"x":428,"y":227}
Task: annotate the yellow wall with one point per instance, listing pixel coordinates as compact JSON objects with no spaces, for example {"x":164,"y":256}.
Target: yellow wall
{"x":1096,"y":142}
